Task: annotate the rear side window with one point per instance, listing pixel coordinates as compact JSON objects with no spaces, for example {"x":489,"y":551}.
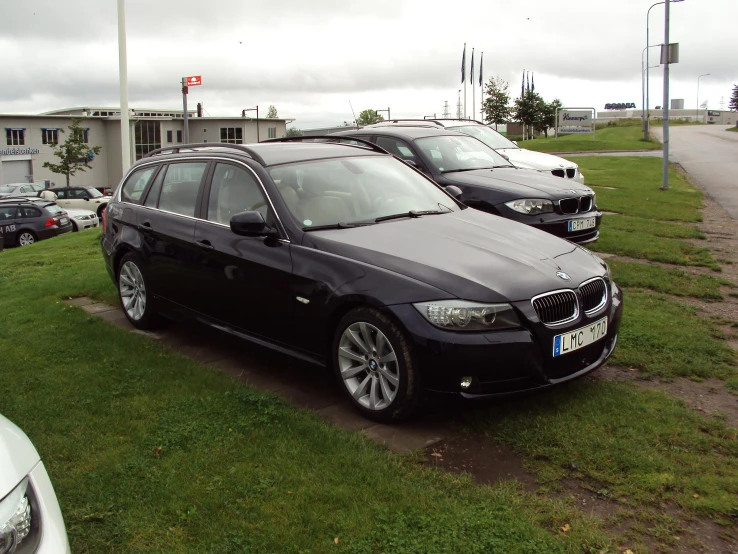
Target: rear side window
{"x":30,"y":212}
{"x":135,"y":186}
{"x":180,"y":187}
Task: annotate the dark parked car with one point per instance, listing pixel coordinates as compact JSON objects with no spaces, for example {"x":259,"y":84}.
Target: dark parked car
{"x":24,"y":221}
{"x":489,"y":182}
{"x":345,"y":255}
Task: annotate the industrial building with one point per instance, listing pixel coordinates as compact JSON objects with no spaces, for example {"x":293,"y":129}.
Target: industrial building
{"x":30,"y":139}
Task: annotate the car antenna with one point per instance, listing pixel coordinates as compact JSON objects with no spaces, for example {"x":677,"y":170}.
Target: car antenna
{"x":352,"y":112}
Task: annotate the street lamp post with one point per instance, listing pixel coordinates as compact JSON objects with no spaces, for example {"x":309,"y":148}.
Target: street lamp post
{"x":389,"y":116}
{"x":243,"y":114}
{"x":643,"y":89}
{"x":125,"y":129}
{"x":697,"y":109}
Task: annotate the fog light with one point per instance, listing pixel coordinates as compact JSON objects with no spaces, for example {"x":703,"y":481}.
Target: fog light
{"x":466,"y":382}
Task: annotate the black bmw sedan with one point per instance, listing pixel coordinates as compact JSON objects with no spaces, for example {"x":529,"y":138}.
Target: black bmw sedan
{"x":489,"y":182}
{"x":344,"y":255}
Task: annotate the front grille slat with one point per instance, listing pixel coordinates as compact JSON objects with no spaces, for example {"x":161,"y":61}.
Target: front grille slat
{"x":571,"y":172}
{"x":585,"y":204}
{"x":556,"y":307}
{"x":569,"y":205}
{"x":594,"y":295}
{"x":558,"y":173}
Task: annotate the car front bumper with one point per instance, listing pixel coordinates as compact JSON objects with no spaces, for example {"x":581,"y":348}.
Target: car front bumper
{"x":53,"y":533}
{"x":557,"y":224}
{"x":505,"y":362}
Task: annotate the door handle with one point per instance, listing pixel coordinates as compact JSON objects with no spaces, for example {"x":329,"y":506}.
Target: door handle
{"x":204,"y":244}
{"x":145,"y":227}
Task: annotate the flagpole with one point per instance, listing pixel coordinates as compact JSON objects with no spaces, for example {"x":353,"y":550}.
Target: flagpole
{"x":474,"y":88}
{"x":465,"y":80}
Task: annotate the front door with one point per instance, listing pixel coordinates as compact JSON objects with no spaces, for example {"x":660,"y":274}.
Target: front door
{"x":244,"y":282}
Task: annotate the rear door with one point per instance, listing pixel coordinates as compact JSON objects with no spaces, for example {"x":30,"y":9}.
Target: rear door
{"x":242,"y":281}
{"x":166,"y":223}
{"x":8,"y":224}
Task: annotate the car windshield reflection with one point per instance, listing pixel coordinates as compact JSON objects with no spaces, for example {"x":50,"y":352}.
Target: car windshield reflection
{"x":455,"y":153}
{"x":488,"y":136}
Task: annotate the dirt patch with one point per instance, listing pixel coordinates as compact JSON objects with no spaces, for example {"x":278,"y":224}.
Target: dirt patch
{"x":486,"y":461}
{"x":709,"y":397}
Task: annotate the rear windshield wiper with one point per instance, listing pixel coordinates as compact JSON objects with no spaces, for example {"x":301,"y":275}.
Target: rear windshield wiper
{"x":411,"y":213}
{"x":337,"y":226}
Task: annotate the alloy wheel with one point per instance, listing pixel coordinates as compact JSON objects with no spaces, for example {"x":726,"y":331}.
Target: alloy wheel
{"x":25,"y":239}
{"x":132,"y":290}
{"x":368,"y":366}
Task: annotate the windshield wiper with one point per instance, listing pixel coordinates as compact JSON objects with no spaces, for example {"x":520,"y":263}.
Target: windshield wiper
{"x":411,"y":213}
{"x":474,"y":168}
{"x":340,"y":225}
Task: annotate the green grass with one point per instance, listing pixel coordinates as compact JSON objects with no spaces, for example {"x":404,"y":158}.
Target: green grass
{"x":732,"y":129}
{"x":666,"y":339}
{"x":611,"y":138}
{"x":652,"y":227}
{"x":666,"y":280}
{"x":151,"y":452}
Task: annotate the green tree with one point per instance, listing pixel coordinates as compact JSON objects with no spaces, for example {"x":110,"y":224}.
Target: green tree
{"x":529,"y":111}
{"x":548,"y":116}
{"x":293,"y":132}
{"x":496,"y":106}
{"x":733,"y":103}
{"x":367,"y":117}
{"x":75,"y":154}
{"x":272,"y":112}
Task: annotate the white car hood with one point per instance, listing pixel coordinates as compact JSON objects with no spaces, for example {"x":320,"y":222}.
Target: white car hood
{"x":74,"y":212}
{"x":535,"y":160}
{"x":17,"y":456}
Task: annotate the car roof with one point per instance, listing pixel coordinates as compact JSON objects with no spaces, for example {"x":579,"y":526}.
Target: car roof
{"x":35,"y":201}
{"x":403,"y":131}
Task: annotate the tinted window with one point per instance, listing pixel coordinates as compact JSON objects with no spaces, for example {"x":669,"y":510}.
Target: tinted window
{"x":397,"y":147}
{"x":30,"y":212}
{"x":180,"y":187}
{"x":136,"y":184}
{"x":152,"y":198}
{"x":7,"y":212}
{"x":234,"y":190}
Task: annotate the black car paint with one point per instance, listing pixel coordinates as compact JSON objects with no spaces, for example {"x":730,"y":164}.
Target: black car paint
{"x":255,"y":287}
{"x":489,"y":189}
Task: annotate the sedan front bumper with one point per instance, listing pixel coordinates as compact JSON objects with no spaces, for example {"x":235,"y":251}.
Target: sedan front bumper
{"x":505,"y":362}
{"x":558,"y":224}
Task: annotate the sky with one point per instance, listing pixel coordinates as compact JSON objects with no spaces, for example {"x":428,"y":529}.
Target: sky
{"x":315,"y":59}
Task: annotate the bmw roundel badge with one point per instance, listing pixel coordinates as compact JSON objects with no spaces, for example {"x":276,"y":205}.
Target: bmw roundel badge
{"x":562,"y":275}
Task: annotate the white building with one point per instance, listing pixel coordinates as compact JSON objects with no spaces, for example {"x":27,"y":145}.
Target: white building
{"x":30,"y":139}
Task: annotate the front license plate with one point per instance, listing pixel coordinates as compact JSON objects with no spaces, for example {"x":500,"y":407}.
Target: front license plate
{"x":579,"y":338}
{"x":64,"y":221}
{"x":582,"y":224}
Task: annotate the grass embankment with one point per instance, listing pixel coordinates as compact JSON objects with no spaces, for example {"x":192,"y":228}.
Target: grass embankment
{"x":733,"y":129}
{"x":617,"y":138}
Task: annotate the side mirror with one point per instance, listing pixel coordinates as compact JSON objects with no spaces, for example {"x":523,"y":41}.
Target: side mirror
{"x":505,"y":156}
{"x":515,"y":142}
{"x":454,"y":191}
{"x":86,"y":199}
{"x":250,"y":224}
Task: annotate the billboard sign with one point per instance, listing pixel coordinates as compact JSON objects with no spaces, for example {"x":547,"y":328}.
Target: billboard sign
{"x":194,"y":81}
{"x":575,"y":121}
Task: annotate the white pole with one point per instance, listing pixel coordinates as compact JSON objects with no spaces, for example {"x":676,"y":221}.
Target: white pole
{"x":665,"y":161}
{"x":125,"y":130}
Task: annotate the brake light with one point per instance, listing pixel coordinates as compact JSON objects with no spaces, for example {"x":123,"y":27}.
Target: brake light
{"x":50,"y":222}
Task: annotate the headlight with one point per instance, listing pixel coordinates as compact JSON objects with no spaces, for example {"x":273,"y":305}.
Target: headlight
{"x":531,"y":206}
{"x":15,"y":519}
{"x":460,"y":315}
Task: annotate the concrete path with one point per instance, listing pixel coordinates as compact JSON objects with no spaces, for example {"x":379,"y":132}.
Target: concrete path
{"x":302,"y":384}
{"x":709,"y":153}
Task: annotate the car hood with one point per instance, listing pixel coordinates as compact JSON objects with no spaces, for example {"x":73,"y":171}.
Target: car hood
{"x":519,"y":183}
{"x":74,"y":212}
{"x":535,"y":160}
{"x":17,"y":456}
{"x":469,"y":254}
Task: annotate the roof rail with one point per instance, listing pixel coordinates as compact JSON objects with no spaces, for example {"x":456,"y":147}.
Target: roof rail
{"x":457,"y":119}
{"x":207,"y":145}
{"x":386,"y":122}
{"x":331,"y":138}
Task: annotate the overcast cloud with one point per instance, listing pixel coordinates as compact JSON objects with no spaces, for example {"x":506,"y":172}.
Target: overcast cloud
{"x":311,"y":57}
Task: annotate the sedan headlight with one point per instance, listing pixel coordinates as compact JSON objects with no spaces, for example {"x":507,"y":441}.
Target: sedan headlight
{"x":15,"y":519}
{"x":460,"y":315}
{"x":531,"y":206}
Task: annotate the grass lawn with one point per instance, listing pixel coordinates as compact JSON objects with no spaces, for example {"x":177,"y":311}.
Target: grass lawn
{"x":609,"y":138}
{"x":732,"y":129}
{"x":666,"y":280}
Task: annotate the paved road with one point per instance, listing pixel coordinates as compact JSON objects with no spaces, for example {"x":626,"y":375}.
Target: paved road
{"x":708,"y":153}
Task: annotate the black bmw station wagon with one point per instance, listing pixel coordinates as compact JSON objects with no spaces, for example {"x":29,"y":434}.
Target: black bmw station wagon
{"x":344,"y":255}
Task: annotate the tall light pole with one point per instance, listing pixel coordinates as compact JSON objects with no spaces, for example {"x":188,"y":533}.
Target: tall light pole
{"x":697,"y":109}
{"x":643,"y":90}
{"x":648,"y":103}
{"x":125,"y":130}
{"x":389,"y":115}
{"x":665,"y":109}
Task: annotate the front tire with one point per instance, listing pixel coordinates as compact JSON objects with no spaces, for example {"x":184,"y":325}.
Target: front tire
{"x":25,"y":238}
{"x":134,"y":294}
{"x":373,"y":361}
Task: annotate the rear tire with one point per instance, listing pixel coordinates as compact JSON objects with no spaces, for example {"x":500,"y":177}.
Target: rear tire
{"x":373,"y":361}
{"x":134,"y":294}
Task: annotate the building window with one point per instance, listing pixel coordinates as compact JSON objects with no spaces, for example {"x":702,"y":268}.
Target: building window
{"x":272,"y":132}
{"x":169,"y":136}
{"x":49,"y":136}
{"x":15,"y":137}
{"x":232,"y":135}
{"x":148,"y":137}
{"x":86,"y":136}
{"x":179,"y":136}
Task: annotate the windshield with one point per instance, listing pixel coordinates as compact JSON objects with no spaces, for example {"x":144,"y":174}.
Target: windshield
{"x":93,"y":192}
{"x":8,"y":188}
{"x":356,"y":190}
{"x":488,"y":136}
{"x":453,"y":153}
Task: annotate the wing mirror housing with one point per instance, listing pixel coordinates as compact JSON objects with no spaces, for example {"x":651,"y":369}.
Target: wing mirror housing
{"x":454,"y":191}
{"x":515,"y":142}
{"x":251,"y":224}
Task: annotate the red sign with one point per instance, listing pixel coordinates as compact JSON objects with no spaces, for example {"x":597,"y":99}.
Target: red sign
{"x":194,"y":81}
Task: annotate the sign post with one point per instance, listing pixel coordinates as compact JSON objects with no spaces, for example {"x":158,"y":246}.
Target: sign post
{"x":194,"y":81}
{"x":575,"y":120}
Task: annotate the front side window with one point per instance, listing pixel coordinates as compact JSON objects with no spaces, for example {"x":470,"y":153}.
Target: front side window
{"x":15,"y":137}
{"x":136,"y":184}
{"x":180,"y":187}
{"x":92,"y":192}
{"x":356,"y":190}
{"x":49,"y":136}
{"x":231,"y":135}
{"x":234,"y":190}
{"x":397,"y":147}
{"x":79,"y":194}
{"x":61,"y":194}
{"x":459,"y":153}
{"x":488,"y":136}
